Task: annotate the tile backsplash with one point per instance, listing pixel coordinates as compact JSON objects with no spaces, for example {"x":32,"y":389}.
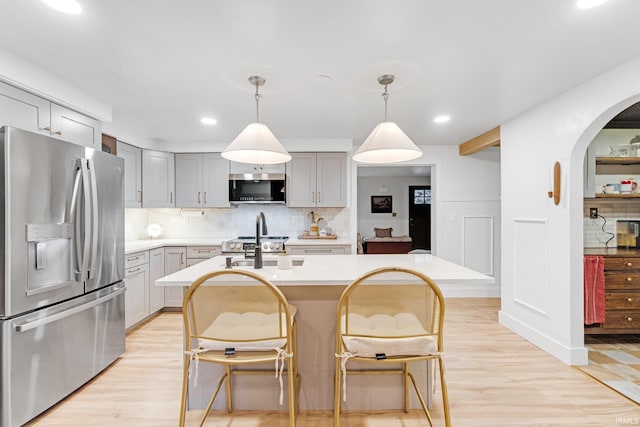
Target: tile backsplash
{"x":594,"y":236}
{"x":231,"y":222}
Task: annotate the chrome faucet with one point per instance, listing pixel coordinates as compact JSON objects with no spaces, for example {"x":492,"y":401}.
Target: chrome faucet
{"x":257,"y":262}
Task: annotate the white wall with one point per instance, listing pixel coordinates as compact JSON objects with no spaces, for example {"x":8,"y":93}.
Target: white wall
{"x":395,"y":186}
{"x":543,"y":243}
{"x":26,"y":76}
{"x":464,"y":190}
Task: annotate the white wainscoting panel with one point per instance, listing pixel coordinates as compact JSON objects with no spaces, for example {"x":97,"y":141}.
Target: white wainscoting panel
{"x":477,"y":243}
{"x":531,"y":239}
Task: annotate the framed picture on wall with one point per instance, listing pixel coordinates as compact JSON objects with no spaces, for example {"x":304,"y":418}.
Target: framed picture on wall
{"x":381,"y":204}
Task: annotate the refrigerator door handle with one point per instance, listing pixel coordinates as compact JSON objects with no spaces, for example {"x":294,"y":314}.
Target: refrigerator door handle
{"x":74,"y":218}
{"x":94,"y":219}
{"x":87,"y":218}
{"x":27,"y":326}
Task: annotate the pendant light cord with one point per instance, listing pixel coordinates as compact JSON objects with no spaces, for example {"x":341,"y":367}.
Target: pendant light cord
{"x":258,"y":96}
{"x":385,"y":95}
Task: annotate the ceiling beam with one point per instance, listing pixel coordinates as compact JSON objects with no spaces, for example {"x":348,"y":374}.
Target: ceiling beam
{"x":488,"y":139}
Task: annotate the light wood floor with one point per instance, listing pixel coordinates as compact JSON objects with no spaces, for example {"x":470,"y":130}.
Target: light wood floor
{"x":495,"y":379}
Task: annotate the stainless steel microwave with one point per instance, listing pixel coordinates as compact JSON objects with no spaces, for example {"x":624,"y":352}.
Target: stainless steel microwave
{"x":257,"y":188}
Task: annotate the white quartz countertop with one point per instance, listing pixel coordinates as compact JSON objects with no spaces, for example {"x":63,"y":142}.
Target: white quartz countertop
{"x":322,"y":270}
{"x":145,"y":245}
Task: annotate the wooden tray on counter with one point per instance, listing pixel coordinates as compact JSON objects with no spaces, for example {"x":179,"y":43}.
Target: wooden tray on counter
{"x":306,"y":236}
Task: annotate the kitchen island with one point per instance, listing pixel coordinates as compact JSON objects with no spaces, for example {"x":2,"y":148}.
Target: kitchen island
{"x":314,"y":288}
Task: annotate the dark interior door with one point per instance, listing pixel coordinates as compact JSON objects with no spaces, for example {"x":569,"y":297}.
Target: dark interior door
{"x":420,"y":216}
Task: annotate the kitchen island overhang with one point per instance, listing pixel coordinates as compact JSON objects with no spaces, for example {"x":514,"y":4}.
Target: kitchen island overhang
{"x":340,"y":270}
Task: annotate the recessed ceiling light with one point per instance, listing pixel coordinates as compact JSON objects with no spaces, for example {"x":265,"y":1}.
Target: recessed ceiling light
{"x":588,"y":4}
{"x":208,"y":121}
{"x":65,"y":6}
{"x":441,"y":119}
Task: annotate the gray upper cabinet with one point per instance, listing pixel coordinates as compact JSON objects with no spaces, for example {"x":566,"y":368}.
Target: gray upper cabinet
{"x":158,"y":179}
{"x":132,"y":174}
{"x":202,"y":180}
{"x":317,"y":180}
{"x":30,"y":112}
{"x":75,"y":127}
{"x":215,"y":181}
{"x":331,"y":180}
{"x":189,"y":180}
{"x":301,"y":180}
{"x":24,"y":110}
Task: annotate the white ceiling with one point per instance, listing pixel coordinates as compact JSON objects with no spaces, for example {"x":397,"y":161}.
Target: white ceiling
{"x":163,"y":64}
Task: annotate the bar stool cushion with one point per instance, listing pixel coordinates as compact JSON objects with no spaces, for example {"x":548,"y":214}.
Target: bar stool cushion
{"x":398,"y":335}
{"x":247,"y":330}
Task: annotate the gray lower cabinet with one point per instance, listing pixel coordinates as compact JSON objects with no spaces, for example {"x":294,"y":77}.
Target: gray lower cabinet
{"x":198,"y":254}
{"x":137,"y":283}
{"x":175,"y":259}
{"x":319,"y":249}
{"x":156,"y":271}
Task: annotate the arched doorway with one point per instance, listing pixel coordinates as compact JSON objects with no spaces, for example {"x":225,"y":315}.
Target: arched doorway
{"x":542,"y":243}
{"x":577,"y":205}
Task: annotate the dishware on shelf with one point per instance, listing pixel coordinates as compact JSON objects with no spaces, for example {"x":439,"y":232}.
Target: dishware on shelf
{"x":628,"y":186}
{"x":612,"y":189}
{"x":619,"y":150}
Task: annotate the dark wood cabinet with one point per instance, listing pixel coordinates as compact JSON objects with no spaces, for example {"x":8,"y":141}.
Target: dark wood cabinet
{"x":621,"y":291}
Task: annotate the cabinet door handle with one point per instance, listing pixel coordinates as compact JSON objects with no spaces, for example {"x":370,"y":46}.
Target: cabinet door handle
{"x":629,"y":264}
{"x":133,"y":258}
{"x":133,"y":270}
{"x":205,"y":197}
{"x":629,"y":279}
{"x":198,"y":197}
{"x":170,"y":196}
{"x":318,"y":197}
{"x":317,"y":251}
{"x":313,"y":196}
{"x":59,"y":132}
{"x":48,"y":129}
{"x":139,"y":196}
{"x":629,"y":318}
{"x":629,"y":299}
{"x":181,"y":258}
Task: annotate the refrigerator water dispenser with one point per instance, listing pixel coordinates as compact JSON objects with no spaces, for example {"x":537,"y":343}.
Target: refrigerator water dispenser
{"x":49,"y":251}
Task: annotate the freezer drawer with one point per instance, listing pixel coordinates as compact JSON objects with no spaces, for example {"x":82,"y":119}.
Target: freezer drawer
{"x":49,"y":353}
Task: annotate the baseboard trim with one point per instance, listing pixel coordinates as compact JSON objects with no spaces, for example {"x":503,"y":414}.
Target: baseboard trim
{"x":568,"y":355}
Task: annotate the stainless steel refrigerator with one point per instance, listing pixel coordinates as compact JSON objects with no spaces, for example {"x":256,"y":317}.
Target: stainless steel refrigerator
{"x":61,"y":269}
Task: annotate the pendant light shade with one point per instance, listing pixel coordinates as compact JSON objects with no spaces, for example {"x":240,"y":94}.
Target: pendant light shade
{"x":256,"y":143}
{"x":387,"y":143}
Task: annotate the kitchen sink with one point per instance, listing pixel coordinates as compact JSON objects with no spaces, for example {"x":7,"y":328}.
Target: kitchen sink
{"x":248,"y":262}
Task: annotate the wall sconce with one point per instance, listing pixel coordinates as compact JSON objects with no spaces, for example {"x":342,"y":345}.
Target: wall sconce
{"x":554,"y":192}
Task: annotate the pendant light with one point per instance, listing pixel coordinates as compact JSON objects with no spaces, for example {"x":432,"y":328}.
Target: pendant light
{"x":256,"y":143}
{"x":387,"y":143}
